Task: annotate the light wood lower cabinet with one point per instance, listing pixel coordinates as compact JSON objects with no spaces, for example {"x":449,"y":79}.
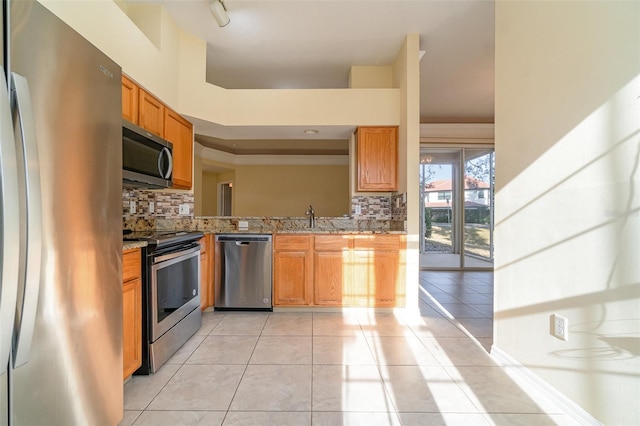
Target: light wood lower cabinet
{"x":206,"y":271}
{"x":292,"y":270}
{"x":347,"y":270}
{"x":131,"y":312}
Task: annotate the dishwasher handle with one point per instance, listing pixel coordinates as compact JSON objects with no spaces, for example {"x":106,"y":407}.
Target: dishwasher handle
{"x":242,"y":240}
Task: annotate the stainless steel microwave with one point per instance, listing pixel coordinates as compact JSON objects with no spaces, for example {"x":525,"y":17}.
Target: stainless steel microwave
{"x":147,"y":159}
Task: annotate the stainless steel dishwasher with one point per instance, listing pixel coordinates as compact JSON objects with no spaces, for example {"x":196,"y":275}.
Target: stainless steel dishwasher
{"x":243,"y":272}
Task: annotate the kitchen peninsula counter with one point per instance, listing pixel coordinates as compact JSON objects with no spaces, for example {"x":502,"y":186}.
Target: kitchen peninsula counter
{"x":271,"y":225}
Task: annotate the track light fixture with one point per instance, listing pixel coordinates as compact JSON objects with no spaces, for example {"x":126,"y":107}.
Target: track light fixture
{"x":219,"y":12}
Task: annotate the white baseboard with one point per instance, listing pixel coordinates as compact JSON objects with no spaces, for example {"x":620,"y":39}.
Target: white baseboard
{"x":526,"y":376}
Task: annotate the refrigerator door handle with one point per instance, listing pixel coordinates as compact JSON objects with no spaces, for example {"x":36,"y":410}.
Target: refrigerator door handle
{"x":10,"y":216}
{"x":30,"y":276}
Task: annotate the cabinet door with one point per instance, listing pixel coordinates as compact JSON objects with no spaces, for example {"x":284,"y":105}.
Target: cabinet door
{"x":129,"y":100}
{"x":204,"y":280}
{"x":331,"y":271}
{"x":291,"y":272}
{"x":206,"y":272}
{"x":151,"y":113}
{"x":377,"y":154}
{"x":179,"y":132}
{"x":131,"y":326}
{"x":374,"y":278}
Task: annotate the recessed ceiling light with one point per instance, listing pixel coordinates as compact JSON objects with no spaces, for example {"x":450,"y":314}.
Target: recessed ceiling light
{"x":311,"y":131}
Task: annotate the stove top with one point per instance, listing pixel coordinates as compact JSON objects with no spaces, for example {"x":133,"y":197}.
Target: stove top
{"x":162,"y":238}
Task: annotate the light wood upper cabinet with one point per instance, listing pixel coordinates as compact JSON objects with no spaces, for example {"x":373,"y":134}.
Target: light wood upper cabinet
{"x":179,"y":132}
{"x":151,"y":113}
{"x":292,"y":270}
{"x":377,"y":158}
{"x":131,"y":312}
{"x":142,"y":108}
{"x":130,"y":93}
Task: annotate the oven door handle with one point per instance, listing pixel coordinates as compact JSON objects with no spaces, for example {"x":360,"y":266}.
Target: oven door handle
{"x":176,"y":255}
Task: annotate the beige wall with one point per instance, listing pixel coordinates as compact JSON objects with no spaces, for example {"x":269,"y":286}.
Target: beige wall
{"x":288,"y":190}
{"x":567,"y":233}
{"x":406,"y":76}
{"x":210,"y":194}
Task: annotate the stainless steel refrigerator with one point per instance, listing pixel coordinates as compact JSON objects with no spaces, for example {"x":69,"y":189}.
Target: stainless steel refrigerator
{"x":61,"y":216}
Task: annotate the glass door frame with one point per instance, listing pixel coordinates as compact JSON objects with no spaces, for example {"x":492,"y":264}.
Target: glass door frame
{"x":458,"y":206}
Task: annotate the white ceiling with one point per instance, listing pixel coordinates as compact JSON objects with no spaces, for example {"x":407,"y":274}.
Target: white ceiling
{"x":313,"y":43}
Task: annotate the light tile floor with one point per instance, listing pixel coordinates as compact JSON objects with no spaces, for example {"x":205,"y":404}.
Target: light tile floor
{"x":353,"y":368}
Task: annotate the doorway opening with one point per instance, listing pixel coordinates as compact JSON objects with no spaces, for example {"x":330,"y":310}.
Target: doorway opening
{"x":225,"y":198}
{"x":456,"y":208}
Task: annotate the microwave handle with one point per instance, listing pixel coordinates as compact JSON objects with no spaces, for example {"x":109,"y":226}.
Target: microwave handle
{"x":165,"y":174}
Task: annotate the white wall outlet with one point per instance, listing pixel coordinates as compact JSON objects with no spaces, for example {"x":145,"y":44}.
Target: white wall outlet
{"x":559,"y":327}
{"x":132,"y":207}
{"x":243,"y":225}
{"x":152,"y":207}
{"x":358,"y":209}
{"x":183,"y":209}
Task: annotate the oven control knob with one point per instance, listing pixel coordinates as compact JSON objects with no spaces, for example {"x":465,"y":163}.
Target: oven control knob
{"x":265,"y":300}
{"x":194,"y":292}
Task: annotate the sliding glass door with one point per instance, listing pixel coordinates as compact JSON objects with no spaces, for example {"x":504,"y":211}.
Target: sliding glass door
{"x":456,"y":189}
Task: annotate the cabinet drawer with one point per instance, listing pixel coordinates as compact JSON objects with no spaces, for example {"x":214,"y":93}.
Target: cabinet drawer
{"x":292,"y":242}
{"x":131,"y":264}
{"x":332,"y":242}
{"x":376,"y":242}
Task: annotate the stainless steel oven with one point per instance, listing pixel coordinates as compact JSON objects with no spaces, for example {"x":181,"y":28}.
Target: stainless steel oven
{"x":171,"y":294}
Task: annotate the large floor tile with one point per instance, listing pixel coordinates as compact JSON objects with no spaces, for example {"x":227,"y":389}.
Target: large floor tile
{"x":342,"y":350}
{"x":478,"y":327}
{"x":241,"y":323}
{"x":322,"y":418}
{"x":129,"y":416}
{"x":502,"y":396}
{"x":288,"y":324}
{"x":349,"y":388}
{"x":199,"y":387}
{"x":224,"y":350}
{"x":182,"y":418}
{"x":399,"y":350}
{"x":209,"y":321}
{"x":500,"y":419}
{"x":457,"y":351}
{"x":336,"y":324}
{"x":139,"y":391}
{"x":373,"y":324}
{"x":443,"y":419}
{"x":186,"y":350}
{"x":433,"y":327}
{"x":426,"y":389}
{"x":262,"y":418}
{"x":282,"y":350}
{"x":274,"y":388}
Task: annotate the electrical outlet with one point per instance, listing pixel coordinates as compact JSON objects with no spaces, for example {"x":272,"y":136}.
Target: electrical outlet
{"x":132,"y":207}
{"x":358,"y":209}
{"x":152,"y":207}
{"x":183,"y":209}
{"x":243,"y":225}
{"x":559,"y":327}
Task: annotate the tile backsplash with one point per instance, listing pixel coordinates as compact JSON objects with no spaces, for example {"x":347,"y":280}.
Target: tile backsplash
{"x":371,"y":207}
{"x":166,"y":205}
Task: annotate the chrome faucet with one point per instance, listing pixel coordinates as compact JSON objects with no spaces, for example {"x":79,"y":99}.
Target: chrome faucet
{"x":312,"y":216}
